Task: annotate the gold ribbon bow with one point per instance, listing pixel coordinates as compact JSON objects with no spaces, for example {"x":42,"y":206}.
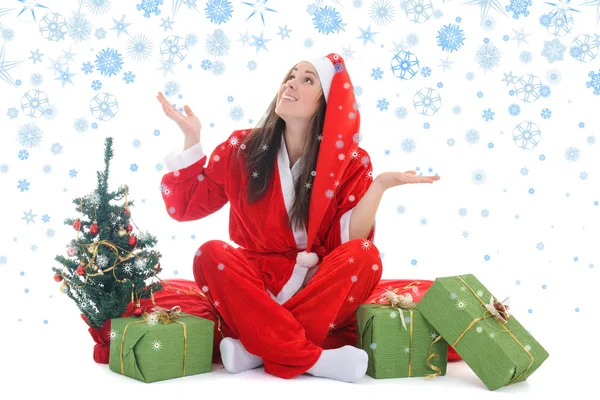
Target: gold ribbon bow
{"x":401,"y":301}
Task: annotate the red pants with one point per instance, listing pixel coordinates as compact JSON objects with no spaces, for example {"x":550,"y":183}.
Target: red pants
{"x":288,"y":337}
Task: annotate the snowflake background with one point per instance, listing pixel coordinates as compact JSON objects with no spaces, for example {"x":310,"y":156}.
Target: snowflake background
{"x":498,"y":97}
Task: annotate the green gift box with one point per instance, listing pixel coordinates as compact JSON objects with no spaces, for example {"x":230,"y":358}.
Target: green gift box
{"x":399,"y":351}
{"x":493,"y":344}
{"x":180,"y":346}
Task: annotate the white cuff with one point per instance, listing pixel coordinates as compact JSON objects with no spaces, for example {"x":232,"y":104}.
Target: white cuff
{"x":179,"y":159}
{"x":345,"y":226}
{"x":292,"y":285}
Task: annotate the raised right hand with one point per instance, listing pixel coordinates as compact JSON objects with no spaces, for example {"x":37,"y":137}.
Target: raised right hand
{"x":189,"y":123}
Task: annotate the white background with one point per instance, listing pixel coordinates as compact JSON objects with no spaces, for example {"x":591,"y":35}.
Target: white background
{"x":48,"y":348}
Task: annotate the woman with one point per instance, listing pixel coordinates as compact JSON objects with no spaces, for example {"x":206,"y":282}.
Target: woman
{"x":302,"y":209}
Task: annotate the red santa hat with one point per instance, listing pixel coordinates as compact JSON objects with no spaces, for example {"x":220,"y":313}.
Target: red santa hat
{"x":340,"y":137}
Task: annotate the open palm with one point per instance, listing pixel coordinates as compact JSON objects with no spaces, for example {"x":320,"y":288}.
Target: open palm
{"x":188,"y":123}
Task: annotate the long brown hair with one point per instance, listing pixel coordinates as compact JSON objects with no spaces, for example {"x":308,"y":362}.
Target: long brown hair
{"x":260,"y":148}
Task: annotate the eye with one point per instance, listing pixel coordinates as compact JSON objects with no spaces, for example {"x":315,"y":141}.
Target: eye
{"x":309,"y":79}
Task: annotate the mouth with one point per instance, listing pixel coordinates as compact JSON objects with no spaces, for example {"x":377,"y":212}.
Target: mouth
{"x":286,"y":97}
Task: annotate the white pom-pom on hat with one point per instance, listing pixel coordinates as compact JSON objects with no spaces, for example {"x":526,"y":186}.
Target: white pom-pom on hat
{"x":307,"y":260}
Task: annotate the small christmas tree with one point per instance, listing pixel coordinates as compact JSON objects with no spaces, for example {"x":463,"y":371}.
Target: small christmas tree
{"x":108,"y":265}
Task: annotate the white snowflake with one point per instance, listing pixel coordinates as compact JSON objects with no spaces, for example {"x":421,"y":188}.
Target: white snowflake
{"x":460,"y":304}
{"x":354,"y":278}
{"x":157,"y":345}
{"x":113,"y":335}
{"x":511,"y":371}
{"x":479,"y":329}
{"x":350,"y":299}
{"x":375,"y":267}
{"x":480,"y":293}
{"x":198,"y":253}
{"x":220,"y":267}
{"x":332,"y":326}
{"x":492,"y":335}
{"x":393,"y":314}
{"x":407,"y":350}
{"x":433,"y":335}
{"x":205,"y":288}
{"x":373,"y":346}
{"x":351,"y":260}
{"x":527,"y":348}
{"x":152,"y":319}
{"x":102,"y":261}
{"x":140,"y":263}
{"x":463,"y":289}
{"x":234,"y":141}
{"x":127,"y":269}
{"x":366,"y":244}
{"x":200,"y":177}
{"x":216,"y":303}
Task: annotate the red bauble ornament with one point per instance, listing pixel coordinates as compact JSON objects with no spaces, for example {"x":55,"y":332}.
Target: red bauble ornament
{"x":126,"y":211}
{"x":94,"y":228}
{"x":138,"y":311}
{"x":77,"y":224}
{"x":58,"y":277}
{"x":132,"y":240}
{"x":129,"y":228}
{"x":80,"y":270}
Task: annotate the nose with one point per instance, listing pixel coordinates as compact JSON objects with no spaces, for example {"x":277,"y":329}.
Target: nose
{"x":291,"y":84}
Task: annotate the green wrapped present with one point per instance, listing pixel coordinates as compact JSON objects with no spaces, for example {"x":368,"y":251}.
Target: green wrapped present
{"x":161,"y":345}
{"x":399,"y":341}
{"x":480,"y":328}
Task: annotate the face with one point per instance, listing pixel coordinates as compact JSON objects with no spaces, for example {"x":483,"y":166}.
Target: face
{"x":298,"y":97}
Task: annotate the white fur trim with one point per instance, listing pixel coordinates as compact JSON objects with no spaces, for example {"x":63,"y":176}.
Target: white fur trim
{"x":292,"y":286}
{"x":325,"y":70}
{"x":307,"y":260}
{"x":179,"y":159}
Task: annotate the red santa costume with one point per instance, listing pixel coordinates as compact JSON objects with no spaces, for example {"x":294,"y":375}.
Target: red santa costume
{"x":285,"y":294}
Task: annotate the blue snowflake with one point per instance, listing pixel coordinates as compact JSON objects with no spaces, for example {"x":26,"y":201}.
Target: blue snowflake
{"x":79,"y":28}
{"x":156,"y":132}
{"x":408,"y":145}
{"x":260,"y":42}
{"x":128,"y":77}
{"x":525,"y":57}
{"x":3,"y":260}
{"x":594,"y":82}
{"x":485,"y":213}
{"x":450,"y":142}
{"x":133,"y":167}
{"x":12,"y":113}
{"x":488,"y":114}
{"x":4,"y":168}
{"x":218,"y":43}
{"x":218,"y":68}
{"x":236,"y":113}
{"x":514,"y":109}
{"x":251,"y":65}
{"x":36,"y":79}
{"x":554,"y":50}
{"x":206,"y":65}
{"x":109,"y":62}
{"x":327,"y":20}
{"x":401,"y":112}
{"x":382,"y":12}
{"x":47,"y":169}
{"x":524,"y":171}
{"x":490,"y":145}
{"x":572,"y":154}
{"x":418,"y":11}
{"x":456,"y":110}
{"x":583,"y":176}
{"x":426,"y":71}
{"x":382,"y":104}
{"x":545,"y":91}
{"x":472,"y":136}
{"x":81,"y":125}
{"x":104,"y":106}
{"x":45,"y":218}
{"x":546,"y":113}
{"x":96,"y":84}
{"x":100,"y":34}
{"x":526,"y":135}
{"x":56,"y":148}
{"x":405,"y":65}
{"x":23,"y":185}
{"x":29,"y":136}
{"x":87,"y":68}
{"x":139,"y":47}
{"x":377,"y":73}
{"x":591,"y":139}
{"x":450,"y":37}
{"x":488,"y":56}
{"x":486,"y":257}
{"x":519,"y":7}
{"x":427,"y":101}
{"x":73,"y":173}
{"x":462,"y":212}
{"x":218,"y":11}
{"x":23,"y":155}
{"x":53,"y":27}
{"x":479,"y":94}
{"x":149,"y":7}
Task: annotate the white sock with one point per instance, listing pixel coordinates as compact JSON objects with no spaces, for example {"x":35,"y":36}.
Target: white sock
{"x":236,"y":358}
{"x":347,"y":364}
